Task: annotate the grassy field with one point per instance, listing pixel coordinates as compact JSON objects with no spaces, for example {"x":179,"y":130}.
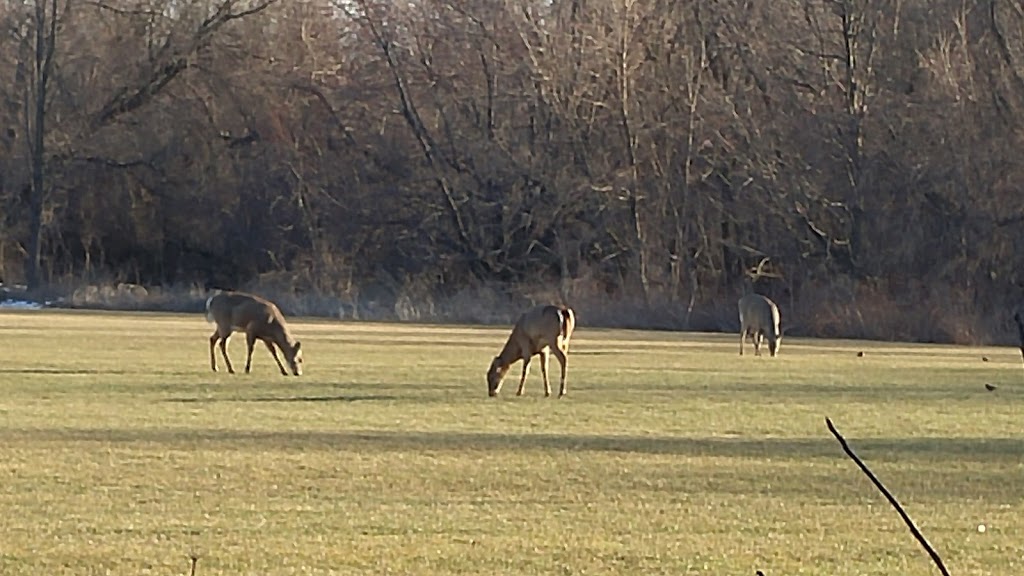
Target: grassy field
{"x":121,"y":453}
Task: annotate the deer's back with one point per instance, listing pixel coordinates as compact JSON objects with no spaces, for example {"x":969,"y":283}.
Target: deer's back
{"x":757,"y":311}
{"x":241,"y":310}
{"x":539,"y":327}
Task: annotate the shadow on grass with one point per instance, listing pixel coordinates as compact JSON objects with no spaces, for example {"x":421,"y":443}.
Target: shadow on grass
{"x":899,"y":450}
{"x":210,"y":400}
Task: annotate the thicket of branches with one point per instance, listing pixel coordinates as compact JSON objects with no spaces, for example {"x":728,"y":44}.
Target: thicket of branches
{"x":630,"y":156}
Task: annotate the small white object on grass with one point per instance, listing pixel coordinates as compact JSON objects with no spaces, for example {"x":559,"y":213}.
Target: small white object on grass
{"x":981,"y":528}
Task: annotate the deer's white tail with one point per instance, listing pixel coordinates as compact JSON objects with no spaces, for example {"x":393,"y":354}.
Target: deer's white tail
{"x":568,"y":321}
{"x":209,"y":313}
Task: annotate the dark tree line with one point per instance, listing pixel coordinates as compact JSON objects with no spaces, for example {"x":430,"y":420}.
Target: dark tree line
{"x":857,"y":160}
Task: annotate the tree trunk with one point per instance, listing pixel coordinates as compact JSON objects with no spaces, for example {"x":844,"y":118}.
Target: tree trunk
{"x":45,"y":45}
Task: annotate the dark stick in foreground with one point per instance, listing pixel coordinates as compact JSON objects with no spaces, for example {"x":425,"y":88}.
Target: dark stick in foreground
{"x":1020,"y":332}
{"x":892,"y":499}
{"x":195,"y":560}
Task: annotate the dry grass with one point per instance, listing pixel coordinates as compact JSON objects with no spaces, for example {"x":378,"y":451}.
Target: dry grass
{"x":123,"y":454}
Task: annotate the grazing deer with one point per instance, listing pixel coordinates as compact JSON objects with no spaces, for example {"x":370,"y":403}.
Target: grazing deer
{"x":759,"y":317}
{"x":260,"y":320}
{"x":543,"y":330}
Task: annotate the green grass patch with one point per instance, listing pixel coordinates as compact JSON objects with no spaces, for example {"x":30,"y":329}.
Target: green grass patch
{"x":122,"y":453}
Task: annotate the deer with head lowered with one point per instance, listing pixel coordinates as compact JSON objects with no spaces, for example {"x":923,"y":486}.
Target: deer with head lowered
{"x":759,"y":318}
{"x":260,"y":320}
{"x":544,"y":330}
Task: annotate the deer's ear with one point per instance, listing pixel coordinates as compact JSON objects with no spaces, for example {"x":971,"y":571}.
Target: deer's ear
{"x":297,"y":346}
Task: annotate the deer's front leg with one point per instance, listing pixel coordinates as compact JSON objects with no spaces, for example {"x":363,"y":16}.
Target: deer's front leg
{"x":522,"y":380}
{"x":273,"y":352}
{"x":250,"y":343}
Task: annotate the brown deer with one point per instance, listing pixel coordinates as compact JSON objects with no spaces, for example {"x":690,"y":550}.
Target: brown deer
{"x":260,"y":320}
{"x":543,"y":330}
{"x":759,"y":317}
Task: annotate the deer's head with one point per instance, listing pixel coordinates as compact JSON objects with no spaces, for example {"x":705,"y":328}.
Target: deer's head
{"x":293,"y":354}
{"x":495,"y":374}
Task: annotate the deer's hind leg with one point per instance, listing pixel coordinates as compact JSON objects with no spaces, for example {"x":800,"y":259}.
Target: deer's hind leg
{"x":250,"y":343}
{"x":563,"y":359}
{"x":545,"y":356}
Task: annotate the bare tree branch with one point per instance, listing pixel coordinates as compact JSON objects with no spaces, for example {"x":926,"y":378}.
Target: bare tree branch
{"x":419,"y":130}
{"x":129,"y":99}
{"x":121,"y":11}
{"x":888,"y":495}
{"x":322,"y":99}
{"x":112,"y":163}
{"x":1004,"y":45}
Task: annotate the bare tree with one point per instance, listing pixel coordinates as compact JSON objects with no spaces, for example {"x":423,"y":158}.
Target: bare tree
{"x":45,"y":24}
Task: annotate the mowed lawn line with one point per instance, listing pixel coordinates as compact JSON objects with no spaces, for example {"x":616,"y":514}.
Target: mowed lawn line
{"x":669,"y":458}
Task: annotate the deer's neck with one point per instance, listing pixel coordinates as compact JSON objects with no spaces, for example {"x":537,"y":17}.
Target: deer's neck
{"x":282,"y":336}
{"x":287,"y":337}
{"x":511,"y":352}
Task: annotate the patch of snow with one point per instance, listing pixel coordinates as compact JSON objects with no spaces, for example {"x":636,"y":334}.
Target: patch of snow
{"x":20,"y":305}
